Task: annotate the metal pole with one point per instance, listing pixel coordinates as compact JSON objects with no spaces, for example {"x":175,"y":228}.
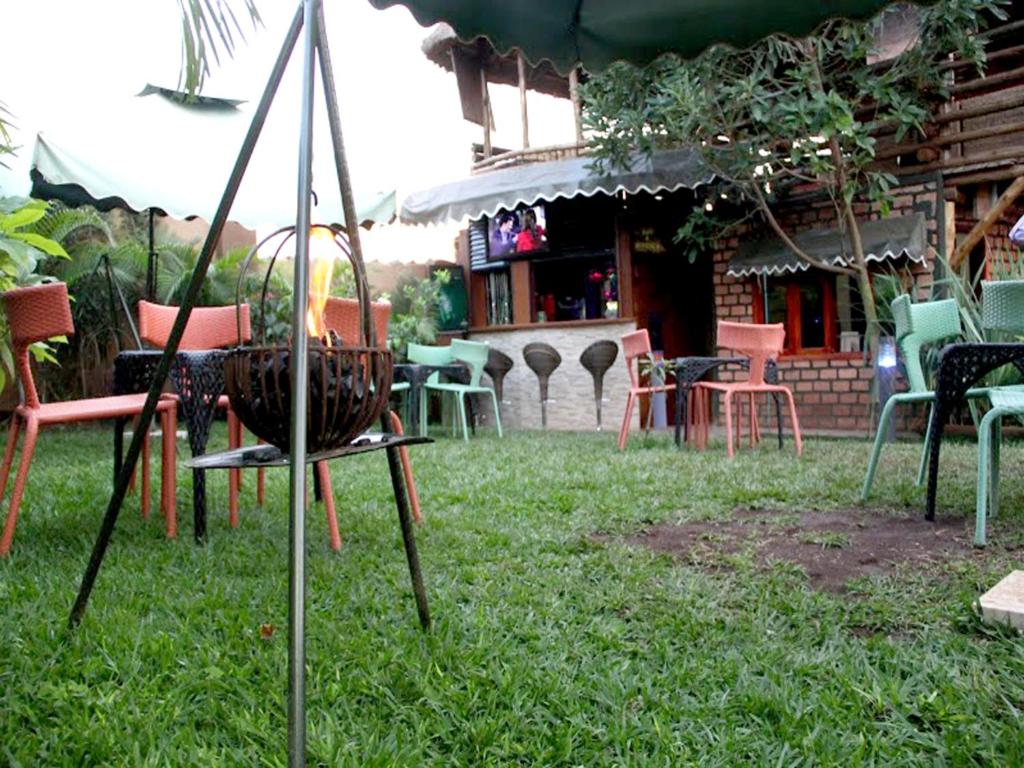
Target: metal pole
{"x":299,"y":384}
{"x":151,"y":265}
{"x":174,"y":338}
{"x":348,"y":204}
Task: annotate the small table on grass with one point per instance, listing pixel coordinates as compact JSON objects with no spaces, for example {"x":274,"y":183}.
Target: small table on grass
{"x":960,"y":367}
{"x":416,"y":374}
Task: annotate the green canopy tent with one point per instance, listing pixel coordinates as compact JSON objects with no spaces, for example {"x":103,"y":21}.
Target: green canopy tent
{"x":596,"y":33}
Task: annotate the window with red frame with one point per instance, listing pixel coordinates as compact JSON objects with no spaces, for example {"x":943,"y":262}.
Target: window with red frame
{"x":806,"y":305}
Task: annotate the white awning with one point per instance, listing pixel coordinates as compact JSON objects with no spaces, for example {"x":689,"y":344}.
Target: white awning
{"x":153,"y":151}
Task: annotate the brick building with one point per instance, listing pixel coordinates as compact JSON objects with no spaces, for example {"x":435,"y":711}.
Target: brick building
{"x":955,"y":202}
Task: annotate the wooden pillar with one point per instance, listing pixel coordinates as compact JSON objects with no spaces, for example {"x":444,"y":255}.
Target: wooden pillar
{"x":577,"y":108}
{"x":624,"y":266}
{"x":522,"y":293}
{"x":521,"y":64}
{"x":485,"y":100}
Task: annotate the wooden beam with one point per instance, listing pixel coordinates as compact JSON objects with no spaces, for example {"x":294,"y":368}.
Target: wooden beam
{"x":521,"y":64}
{"x":985,"y":224}
{"x":577,"y":107}
{"x":485,"y":100}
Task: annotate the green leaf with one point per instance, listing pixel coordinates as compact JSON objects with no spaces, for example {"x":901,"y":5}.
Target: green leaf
{"x":44,"y":244}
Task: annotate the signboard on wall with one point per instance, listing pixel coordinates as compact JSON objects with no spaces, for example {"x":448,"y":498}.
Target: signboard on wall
{"x":646,"y":240}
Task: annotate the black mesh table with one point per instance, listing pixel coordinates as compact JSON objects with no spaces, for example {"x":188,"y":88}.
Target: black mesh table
{"x":270,"y":456}
{"x":416,"y":374}
{"x":960,"y":368}
{"x":689,"y":370}
{"x":198,"y":379}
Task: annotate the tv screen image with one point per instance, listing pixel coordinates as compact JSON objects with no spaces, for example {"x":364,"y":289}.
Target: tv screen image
{"x":523,"y":230}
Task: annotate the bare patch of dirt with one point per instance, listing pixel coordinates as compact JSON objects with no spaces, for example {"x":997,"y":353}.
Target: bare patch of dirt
{"x":832,"y":547}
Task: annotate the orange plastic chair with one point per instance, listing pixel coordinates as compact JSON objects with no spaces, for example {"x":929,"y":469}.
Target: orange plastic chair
{"x":760,"y":343}
{"x":38,"y":313}
{"x":636,"y":345}
{"x":343,"y":316}
{"x":207,"y":328}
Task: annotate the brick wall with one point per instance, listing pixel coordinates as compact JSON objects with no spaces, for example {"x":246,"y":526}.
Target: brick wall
{"x":570,"y":390}
{"x":832,"y":392}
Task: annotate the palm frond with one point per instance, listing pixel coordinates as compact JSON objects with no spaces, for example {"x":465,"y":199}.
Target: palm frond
{"x":209,"y":27}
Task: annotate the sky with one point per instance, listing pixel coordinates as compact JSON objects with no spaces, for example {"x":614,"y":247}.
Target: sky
{"x":62,"y":59}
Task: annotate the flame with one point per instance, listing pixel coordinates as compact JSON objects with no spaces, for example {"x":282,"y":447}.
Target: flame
{"x":321,"y":263}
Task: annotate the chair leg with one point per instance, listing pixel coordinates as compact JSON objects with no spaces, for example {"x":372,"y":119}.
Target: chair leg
{"x":145,"y":476}
{"x":727,"y":397}
{"x":27,"y":449}
{"x":234,"y":475}
{"x":796,"y":424}
{"x":993,"y":483}
{"x":261,"y":483}
{"x":626,"y":417}
{"x":755,"y":430}
{"x":424,"y":398}
{"x":410,"y":483}
{"x":925,"y":449}
{"x":324,"y":473}
{"x":12,"y":444}
{"x":984,"y":458}
{"x":876,"y":449}
{"x":169,"y":473}
{"x":497,"y":413}
{"x":460,"y":399}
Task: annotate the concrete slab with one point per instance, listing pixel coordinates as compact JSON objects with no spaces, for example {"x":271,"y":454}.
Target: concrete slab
{"x":1004,"y":603}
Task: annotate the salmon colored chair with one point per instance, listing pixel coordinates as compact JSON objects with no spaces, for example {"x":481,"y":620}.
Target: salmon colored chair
{"x":760,"y":343}
{"x":207,"y":328}
{"x":38,"y":313}
{"x":636,"y":345}
{"x":344,"y":317}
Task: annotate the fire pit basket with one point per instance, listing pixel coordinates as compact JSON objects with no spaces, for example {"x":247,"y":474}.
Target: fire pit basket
{"x":349,"y":386}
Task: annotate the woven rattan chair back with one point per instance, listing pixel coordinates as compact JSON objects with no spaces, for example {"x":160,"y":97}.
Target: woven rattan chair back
{"x":344,"y":317}
{"x":36,"y":313}
{"x":1002,"y":306}
{"x":207,"y":327}
{"x":498,"y":364}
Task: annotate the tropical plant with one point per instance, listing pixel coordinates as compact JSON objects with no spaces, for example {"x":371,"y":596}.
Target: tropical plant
{"x":414,"y":312}
{"x":21,"y":250}
{"x":207,"y":27}
{"x":789,"y":113}
{"x":6,"y":140}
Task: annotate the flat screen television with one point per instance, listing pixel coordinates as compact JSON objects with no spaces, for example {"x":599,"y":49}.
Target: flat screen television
{"x":516,"y":233}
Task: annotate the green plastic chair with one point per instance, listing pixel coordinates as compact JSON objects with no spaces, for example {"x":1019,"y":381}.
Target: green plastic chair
{"x":916,"y":326}
{"x":427,"y":355}
{"x":1002,"y":310}
{"x":474,"y":354}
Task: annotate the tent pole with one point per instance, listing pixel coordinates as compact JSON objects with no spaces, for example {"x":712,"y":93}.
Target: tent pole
{"x":363,"y":289}
{"x":151,"y":262}
{"x":299,"y":391}
{"x":174,"y":339}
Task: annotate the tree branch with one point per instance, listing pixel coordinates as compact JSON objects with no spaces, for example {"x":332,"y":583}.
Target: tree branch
{"x":762,"y":204}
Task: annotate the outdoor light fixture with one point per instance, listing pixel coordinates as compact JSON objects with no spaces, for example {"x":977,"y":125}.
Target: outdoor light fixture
{"x":885,"y":380}
{"x":887,"y":352}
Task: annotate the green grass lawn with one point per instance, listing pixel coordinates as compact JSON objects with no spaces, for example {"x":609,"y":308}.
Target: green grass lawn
{"x":551,"y":646}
